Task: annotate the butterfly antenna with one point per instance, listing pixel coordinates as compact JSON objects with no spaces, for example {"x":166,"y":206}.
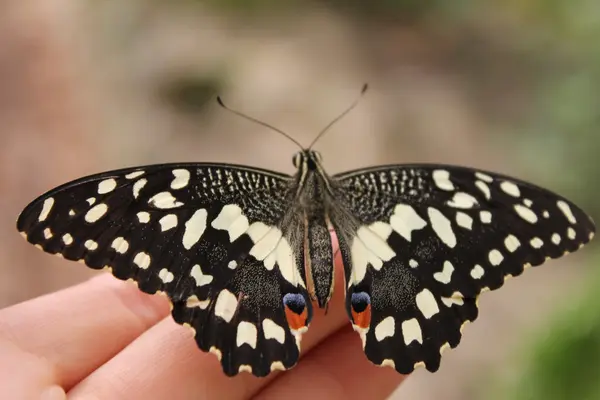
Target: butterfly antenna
{"x":239,"y":114}
{"x":354,"y":104}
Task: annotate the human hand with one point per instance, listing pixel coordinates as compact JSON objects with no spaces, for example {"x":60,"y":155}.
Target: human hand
{"x":104,"y":339}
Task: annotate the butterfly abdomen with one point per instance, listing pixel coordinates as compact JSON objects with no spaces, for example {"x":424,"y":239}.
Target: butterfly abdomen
{"x":320,"y":258}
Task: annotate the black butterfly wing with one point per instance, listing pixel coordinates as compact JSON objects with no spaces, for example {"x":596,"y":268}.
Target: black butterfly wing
{"x":421,"y":242}
{"x":217,"y":239}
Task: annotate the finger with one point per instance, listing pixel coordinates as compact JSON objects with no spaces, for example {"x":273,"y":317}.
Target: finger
{"x":25,"y":376}
{"x":336,"y":369}
{"x":78,"y":329}
{"x":165,"y":362}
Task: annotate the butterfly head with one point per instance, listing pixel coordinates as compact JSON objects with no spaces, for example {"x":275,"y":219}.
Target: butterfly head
{"x":308,"y":159}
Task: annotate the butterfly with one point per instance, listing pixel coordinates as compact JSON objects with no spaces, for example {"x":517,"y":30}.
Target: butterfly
{"x":242,"y":252}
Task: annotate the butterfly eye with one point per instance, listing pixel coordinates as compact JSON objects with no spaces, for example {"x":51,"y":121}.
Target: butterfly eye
{"x":361,"y":309}
{"x":296,"y":311}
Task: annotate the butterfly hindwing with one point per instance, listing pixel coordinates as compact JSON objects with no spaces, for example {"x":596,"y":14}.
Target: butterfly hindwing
{"x":212,"y":237}
{"x":421,"y":242}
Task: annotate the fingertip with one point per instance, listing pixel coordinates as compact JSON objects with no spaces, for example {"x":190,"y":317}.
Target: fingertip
{"x":54,"y":392}
{"x":147,"y":308}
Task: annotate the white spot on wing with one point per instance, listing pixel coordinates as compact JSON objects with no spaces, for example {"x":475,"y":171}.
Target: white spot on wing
{"x":511,"y":243}
{"x":413,"y":263}
{"x":120,"y":245}
{"x":427,"y":304}
{"x":194,"y":228}
{"x":96,"y":212}
{"x":137,"y":186}
{"x":232,"y":220}
{"x":446,"y":275}
{"x":287,"y":262}
{"x":273,"y":331}
{"x":91,"y":245}
{"x":200,"y":278}
{"x":135,"y":174}
{"x":142,"y":260}
{"x":164,"y":200}
{"x":485,"y":216}
{"x":266,"y":244}
{"x":566,"y":210}
{"x":484,"y":177}
{"x":91,"y":201}
{"x":495,"y":257}
{"x":386,"y":328}
{"x":546,"y":214}
{"x":167,"y":222}
{"x":246,"y":334}
{"x":449,"y":301}
{"x":143,"y":217}
{"x":510,"y":188}
{"x":107,"y":186}
{"x":277,"y":366}
{"x":555,"y":238}
{"x":46,"y":207}
{"x":67,"y":239}
{"x":571,"y":233}
{"x":194,"y":301}
{"x":536,"y":243}
{"x":382,"y":229}
{"x":245,"y":368}
{"x":526,"y":213}
{"x":405,"y":220}
{"x":481,"y":185}
{"x":464,"y":220}
{"x":442,"y":227}
{"x":232,"y":264}
{"x":411,"y":330}
{"x":165,"y":275}
{"x":375,"y":244}
{"x":462,"y":200}
{"x":48,"y":233}
{"x":361,"y":258}
{"x":182,"y":178}
{"x":477,"y":272}
{"x":226,"y":305}
{"x":441,"y":178}
{"x":257,"y":231}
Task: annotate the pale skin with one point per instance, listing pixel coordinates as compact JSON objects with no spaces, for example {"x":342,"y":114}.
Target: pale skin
{"x":104,"y":339}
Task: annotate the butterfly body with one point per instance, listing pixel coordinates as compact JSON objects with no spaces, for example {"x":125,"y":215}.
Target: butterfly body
{"x":243,"y":252}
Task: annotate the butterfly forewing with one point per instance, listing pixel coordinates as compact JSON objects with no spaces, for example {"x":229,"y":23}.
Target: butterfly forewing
{"x":217,"y":239}
{"x":421,"y":242}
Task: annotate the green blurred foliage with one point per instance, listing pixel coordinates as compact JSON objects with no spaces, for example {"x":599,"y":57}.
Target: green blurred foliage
{"x":561,"y":360}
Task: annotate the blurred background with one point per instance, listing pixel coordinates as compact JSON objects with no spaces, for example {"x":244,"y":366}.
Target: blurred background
{"x":506,"y":85}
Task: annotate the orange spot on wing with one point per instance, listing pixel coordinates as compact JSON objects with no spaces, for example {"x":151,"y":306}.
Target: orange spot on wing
{"x":296,"y":321}
{"x":362,"y":319}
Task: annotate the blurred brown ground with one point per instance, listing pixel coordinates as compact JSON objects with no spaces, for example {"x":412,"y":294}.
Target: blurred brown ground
{"x":79,"y":94}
